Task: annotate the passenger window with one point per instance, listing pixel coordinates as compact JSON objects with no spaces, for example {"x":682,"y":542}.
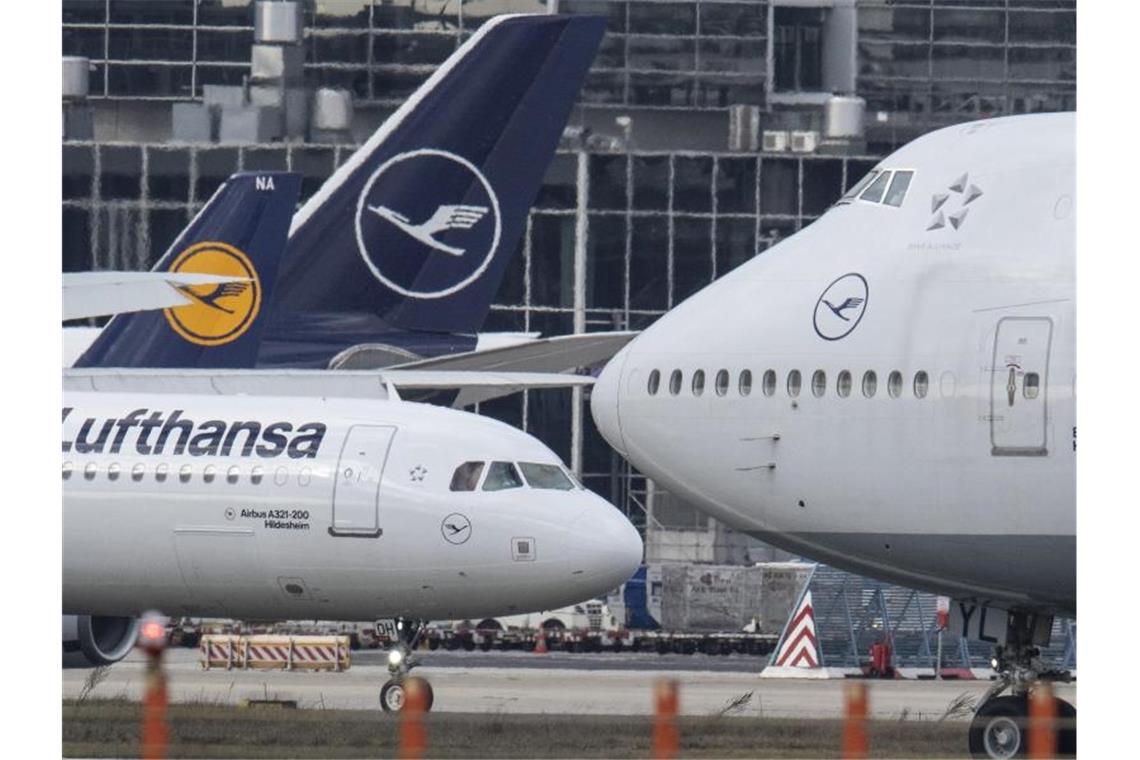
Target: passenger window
{"x":921,"y":384}
{"x":208,"y":473}
{"x":256,"y":474}
{"x":113,"y":471}
{"x":769,"y":383}
{"x":232,"y":474}
{"x":500,"y":476}
{"x":794,"y":382}
{"x":843,"y":384}
{"x":675,"y":382}
{"x":874,"y":191}
{"x":304,"y":476}
{"x":722,"y":382}
{"x":894,"y":384}
{"x":654,"y":382}
{"x":466,"y":476}
{"x":698,"y":382}
{"x":746,"y":382}
{"x":90,"y":470}
{"x":870,"y":383}
{"x":545,"y":476}
{"x":184,"y":473}
{"x":897,"y":192}
{"x":1031,"y":386}
{"x":818,"y":383}
{"x":160,"y":472}
{"x":138,"y":471}
{"x":67,"y":470}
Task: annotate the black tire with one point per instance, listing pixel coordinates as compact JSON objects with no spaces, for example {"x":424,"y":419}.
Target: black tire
{"x":392,"y":694}
{"x":998,"y":728}
{"x":1066,"y":729}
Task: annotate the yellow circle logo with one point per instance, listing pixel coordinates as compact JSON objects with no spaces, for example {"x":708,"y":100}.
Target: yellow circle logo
{"x":218,"y":313}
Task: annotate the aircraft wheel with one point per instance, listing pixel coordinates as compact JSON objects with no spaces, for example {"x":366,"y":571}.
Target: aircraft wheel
{"x":393,"y":695}
{"x":998,"y":729}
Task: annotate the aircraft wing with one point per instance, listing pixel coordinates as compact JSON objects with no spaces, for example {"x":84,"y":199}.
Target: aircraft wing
{"x":481,"y":386}
{"x":561,"y":353}
{"x":98,"y":294}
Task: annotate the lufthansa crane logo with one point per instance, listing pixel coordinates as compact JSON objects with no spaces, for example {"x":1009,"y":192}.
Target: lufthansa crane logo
{"x":427,"y":223}
{"x":456,"y":528}
{"x":840,"y":307}
{"x":217,"y":313}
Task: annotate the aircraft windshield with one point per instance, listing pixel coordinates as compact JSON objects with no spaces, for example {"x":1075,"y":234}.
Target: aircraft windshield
{"x":859,"y":186}
{"x":547,"y":476}
{"x":500,"y":476}
{"x":466,"y":476}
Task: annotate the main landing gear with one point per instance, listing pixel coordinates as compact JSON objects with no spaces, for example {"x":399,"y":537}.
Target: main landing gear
{"x":401,"y":660}
{"x":1000,"y":725}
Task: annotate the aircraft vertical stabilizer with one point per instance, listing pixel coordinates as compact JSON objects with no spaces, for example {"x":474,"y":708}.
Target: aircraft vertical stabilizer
{"x":239,"y":234}
{"x":415,"y":231}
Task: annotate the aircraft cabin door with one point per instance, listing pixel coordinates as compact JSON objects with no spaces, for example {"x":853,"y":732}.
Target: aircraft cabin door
{"x":360,"y":472}
{"x":1019,"y":387}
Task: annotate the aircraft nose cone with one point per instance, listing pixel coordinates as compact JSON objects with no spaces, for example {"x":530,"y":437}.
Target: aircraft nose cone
{"x":610,"y":546}
{"x":604,"y":402}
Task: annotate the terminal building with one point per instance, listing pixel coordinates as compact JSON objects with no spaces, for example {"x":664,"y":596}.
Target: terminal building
{"x":705,"y":133}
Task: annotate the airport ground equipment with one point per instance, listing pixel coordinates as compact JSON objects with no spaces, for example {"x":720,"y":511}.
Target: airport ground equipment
{"x":260,"y":652}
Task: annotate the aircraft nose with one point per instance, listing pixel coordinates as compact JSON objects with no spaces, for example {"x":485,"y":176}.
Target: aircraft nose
{"x":604,"y":401}
{"x":608,"y":545}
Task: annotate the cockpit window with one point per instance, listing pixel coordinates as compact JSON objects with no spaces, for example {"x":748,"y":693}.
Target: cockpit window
{"x":548,"y":476}
{"x":875,"y":190}
{"x":500,"y":476}
{"x":897,"y":191}
{"x":466,"y":476}
{"x":859,"y":186}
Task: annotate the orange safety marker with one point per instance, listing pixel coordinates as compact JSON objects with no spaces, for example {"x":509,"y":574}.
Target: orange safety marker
{"x":1042,"y":721}
{"x":666,"y":737}
{"x":855,"y":744}
{"x":413,"y":735}
{"x":540,"y":645}
{"x":155,"y":733}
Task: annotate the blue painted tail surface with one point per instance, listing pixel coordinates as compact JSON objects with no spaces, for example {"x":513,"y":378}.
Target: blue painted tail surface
{"x":415,"y":231}
{"x":240,"y":233}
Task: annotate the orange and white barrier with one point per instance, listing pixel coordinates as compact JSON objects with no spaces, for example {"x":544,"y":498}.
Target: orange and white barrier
{"x":275,"y":652}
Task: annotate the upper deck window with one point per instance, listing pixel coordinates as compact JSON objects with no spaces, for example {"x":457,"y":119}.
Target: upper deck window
{"x":859,"y":186}
{"x":466,"y":476}
{"x":875,"y":190}
{"x":897,"y":192}
{"x":546,"y":476}
{"x":500,"y":476}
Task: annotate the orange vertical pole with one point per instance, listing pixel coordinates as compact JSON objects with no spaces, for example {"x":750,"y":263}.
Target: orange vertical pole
{"x":154,"y":729}
{"x":666,"y":738}
{"x":1042,"y":721}
{"x":855,"y":744}
{"x":413,"y":735}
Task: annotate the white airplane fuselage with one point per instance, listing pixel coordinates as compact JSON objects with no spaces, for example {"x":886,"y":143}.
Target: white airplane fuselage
{"x":957,"y":475}
{"x":330,"y":508}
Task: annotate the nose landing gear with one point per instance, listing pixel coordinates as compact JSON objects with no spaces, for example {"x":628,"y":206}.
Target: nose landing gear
{"x":401,"y":660}
{"x":1000,"y":726}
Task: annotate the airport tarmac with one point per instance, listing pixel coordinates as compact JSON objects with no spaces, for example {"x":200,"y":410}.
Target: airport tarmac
{"x":460,"y":685}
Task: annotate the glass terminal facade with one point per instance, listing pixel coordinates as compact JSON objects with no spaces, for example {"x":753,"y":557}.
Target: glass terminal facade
{"x":670,"y":203}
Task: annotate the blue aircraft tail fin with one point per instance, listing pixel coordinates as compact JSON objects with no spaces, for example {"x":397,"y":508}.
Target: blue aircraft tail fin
{"x":416,"y":229}
{"x":240,"y":233}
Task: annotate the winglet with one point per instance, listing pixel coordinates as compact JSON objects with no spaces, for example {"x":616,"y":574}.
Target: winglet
{"x":239,"y":234}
